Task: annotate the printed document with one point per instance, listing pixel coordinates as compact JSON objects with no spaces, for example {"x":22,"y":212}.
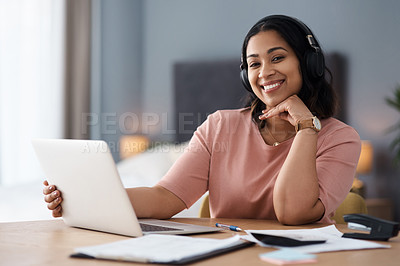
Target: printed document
{"x":333,"y":237}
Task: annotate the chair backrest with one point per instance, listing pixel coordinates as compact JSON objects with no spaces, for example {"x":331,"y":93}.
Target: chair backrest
{"x":353,"y":203}
{"x":204,"y":211}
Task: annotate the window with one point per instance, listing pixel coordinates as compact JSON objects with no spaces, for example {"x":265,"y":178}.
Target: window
{"x":31,"y":83}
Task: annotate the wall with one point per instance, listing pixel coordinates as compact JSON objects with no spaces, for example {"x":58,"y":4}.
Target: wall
{"x":366,"y":32}
{"x":116,"y":68}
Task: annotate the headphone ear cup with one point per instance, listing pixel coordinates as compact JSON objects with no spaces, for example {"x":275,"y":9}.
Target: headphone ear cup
{"x":245,"y":80}
{"x":315,"y":64}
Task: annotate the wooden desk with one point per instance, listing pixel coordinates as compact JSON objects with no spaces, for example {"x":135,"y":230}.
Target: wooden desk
{"x":51,"y":242}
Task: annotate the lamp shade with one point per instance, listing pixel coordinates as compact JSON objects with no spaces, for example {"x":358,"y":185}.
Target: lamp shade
{"x":132,"y":145}
{"x":364,"y":165}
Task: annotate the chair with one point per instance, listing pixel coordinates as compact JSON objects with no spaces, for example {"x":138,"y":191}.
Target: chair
{"x":353,"y":203}
{"x":204,"y":211}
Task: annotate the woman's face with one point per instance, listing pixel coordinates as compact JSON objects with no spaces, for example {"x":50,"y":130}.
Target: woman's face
{"x":273,"y":68}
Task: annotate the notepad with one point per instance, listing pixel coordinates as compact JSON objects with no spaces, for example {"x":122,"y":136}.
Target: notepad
{"x":162,"y":249}
{"x":287,"y":256}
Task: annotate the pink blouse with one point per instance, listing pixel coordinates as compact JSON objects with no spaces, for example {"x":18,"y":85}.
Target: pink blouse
{"x":228,"y":157}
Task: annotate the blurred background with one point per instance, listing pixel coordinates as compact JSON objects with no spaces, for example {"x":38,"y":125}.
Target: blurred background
{"x":104,"y":69}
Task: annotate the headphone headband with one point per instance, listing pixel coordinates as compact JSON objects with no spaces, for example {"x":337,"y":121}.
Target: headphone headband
{"x":309,"y":35}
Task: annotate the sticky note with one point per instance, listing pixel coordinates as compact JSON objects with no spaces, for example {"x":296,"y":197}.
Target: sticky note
{"x":287,"y":256}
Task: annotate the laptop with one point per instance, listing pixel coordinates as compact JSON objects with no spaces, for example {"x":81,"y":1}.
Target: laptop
{"x":93,"y":194}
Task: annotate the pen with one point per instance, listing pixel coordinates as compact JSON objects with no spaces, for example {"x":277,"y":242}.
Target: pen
{"x":230,"y":227}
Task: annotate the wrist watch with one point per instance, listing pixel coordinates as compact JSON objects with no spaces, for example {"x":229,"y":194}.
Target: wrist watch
{"x":313,"y":123}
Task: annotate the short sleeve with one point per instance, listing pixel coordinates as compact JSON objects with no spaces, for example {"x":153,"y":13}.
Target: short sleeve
{"x":337,"y":159}
{"x":188,"y":177}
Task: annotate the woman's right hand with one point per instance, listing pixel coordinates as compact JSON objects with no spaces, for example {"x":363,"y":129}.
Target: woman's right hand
{"x":53,"y":199}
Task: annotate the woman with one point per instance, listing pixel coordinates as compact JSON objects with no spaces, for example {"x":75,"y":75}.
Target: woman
{"x":283,"y":157}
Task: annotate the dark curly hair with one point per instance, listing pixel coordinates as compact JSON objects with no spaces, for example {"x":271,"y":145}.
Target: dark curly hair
{"x":316,"y":92}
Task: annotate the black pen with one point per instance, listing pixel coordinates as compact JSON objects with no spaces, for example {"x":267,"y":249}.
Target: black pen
{"x":230,"y":227}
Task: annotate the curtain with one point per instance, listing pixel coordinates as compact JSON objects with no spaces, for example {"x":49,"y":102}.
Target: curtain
{"x":31,"y":83}
{"x":44,"y":79}
{"x":77,"y":82}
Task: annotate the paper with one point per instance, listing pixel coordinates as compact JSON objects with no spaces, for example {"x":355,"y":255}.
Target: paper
{"x":333,"y":237}
{"x":158,"y":248}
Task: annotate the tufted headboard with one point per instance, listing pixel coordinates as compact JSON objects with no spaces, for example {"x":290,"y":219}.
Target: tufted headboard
{"x":203,"y":87}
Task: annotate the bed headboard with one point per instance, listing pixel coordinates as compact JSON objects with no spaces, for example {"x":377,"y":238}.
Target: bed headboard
{"x":204,"y":87}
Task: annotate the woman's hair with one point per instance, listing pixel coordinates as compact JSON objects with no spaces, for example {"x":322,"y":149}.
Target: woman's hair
{"x":316,"y":92}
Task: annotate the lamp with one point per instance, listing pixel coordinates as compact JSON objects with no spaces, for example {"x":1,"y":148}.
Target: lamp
{"x":131,"y":145}
{"x":364,"y":166}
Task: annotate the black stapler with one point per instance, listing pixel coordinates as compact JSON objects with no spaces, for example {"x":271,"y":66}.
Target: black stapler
{"x":380,"y":229}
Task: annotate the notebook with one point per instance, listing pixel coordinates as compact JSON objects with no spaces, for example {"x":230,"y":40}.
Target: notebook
{"x":93,"y":195}
{"x":162,"y":249}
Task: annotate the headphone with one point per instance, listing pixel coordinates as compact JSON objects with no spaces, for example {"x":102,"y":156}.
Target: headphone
{"x":314,"y":59}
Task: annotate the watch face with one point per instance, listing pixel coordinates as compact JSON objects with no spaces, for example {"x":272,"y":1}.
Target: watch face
{"x":317,"y":123}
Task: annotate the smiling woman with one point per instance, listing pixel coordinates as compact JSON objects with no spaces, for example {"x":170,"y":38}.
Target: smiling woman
{"x":301,"y":180}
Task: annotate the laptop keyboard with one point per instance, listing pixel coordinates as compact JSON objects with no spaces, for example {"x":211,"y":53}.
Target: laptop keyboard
{"x":152,"y":228}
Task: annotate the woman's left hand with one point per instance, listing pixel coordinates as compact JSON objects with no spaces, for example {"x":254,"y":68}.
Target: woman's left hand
{"x":292,"y":110}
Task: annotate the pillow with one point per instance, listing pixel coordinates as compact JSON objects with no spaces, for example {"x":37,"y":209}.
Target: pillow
{"x":147,"y":168}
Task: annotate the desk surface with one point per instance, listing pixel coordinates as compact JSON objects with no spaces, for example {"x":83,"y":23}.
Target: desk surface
{"x":51,"y":243}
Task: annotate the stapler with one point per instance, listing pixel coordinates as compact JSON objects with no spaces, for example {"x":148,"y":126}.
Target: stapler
{"x":379,"y":229}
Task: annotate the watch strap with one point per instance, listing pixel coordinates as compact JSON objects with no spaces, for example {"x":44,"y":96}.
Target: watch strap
{"x":307,"y":123}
